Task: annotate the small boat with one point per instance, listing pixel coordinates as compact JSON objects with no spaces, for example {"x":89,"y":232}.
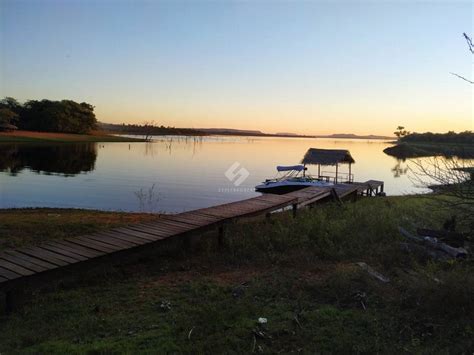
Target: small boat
{"x":292,"y":179}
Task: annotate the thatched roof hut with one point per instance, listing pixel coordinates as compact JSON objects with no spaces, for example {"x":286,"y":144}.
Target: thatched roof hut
{"x":327,"y":157}
{"x":5,"y":127}
{"x":330,"y":157}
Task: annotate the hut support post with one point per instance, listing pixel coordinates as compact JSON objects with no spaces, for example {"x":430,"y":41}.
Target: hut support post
{"x":319,"y":171}
{"x":337,"y":166}
{"x":350,"y":176}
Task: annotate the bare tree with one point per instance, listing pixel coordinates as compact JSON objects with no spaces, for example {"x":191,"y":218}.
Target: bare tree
{"x":450,"y":178}
{"x":471,"y":49}
{"x":148,"y":130}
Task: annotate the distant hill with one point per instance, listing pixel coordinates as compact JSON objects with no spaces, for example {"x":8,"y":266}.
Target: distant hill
{"x":161,"y":130}
{"x":230,"y":131}
{"x":286,"y":134}
{"x":354,"y":136}
{"x":243,"y":132}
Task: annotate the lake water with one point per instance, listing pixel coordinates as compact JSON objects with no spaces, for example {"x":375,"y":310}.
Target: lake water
{"x":170,"y":174}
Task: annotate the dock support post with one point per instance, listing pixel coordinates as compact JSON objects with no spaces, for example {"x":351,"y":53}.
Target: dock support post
{"x":335,"y":196}
{"x":355,"y":196}
{"x":6,"y":302}
{"x":294,"y":208}
{"x":220,"y":236}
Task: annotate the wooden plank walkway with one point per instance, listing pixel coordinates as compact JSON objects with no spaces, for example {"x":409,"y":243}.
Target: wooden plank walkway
{"x":29,"y":261}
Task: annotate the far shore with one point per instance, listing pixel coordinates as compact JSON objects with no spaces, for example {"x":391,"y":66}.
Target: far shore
{"x":51,"y":137}
{"x":111,"y":136}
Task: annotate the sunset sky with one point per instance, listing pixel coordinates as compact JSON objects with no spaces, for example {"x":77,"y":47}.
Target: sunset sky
{"x":314,"y":67}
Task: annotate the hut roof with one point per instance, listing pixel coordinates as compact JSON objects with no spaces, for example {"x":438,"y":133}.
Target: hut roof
{"x":327,"y":156}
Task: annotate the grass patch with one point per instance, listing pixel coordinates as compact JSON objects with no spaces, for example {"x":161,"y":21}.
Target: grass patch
{"x":32,"y":226}
{"x":298,"y":273}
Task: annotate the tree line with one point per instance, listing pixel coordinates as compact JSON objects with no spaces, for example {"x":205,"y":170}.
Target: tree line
{"x":149,"y":129}
{"x":466,"y":137}
{"x":65,"y":116}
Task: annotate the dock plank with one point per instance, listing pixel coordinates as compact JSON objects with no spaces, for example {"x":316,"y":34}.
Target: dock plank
{"x":157,"y":234}
{"x":90,"y":243}
{"x":113,"y":240}
{"x":63,"y":251}
{"x":9,"y":275}
{"x":30,"y":259}
{"x":163,"y":225}
{"x":180,"y":225}
{"x":161,"y":230}
{"x":129,"y":237}
{"x":22,"y":262}
{"x":192,"y":215}
{"x":151,"y":237}
{"x":17,"y":269}
{"x":195,"y":222}
{"x":44,"y":255}
{"x":88,"y":252}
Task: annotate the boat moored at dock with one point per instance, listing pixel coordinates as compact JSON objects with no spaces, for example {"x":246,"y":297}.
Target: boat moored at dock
{"x":294,"y":177}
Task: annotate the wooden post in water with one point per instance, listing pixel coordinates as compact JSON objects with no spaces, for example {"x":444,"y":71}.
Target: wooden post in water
{"x":294,"y":208}
{"x":335,"y":181}
{"x":350,"y":179}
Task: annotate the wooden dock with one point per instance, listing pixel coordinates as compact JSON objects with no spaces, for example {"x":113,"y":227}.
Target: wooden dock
{"x":21,"y":265}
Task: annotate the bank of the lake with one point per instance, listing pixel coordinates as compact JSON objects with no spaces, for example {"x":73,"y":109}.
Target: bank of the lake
{"x":409,"y":150}
{"x":50,"y":137}
{"x":299,"y":274}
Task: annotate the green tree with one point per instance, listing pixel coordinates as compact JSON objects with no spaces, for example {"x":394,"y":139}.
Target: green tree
{"x":401,"y":132}
{"x":7,"y":116}
{"x":58,"y":116}
{"x":11,"y":104}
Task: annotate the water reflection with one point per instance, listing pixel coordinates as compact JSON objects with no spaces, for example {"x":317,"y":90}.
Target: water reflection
{"x":399,"y":169}
{"x":63,"y":159}
{"x":170,"y":174}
